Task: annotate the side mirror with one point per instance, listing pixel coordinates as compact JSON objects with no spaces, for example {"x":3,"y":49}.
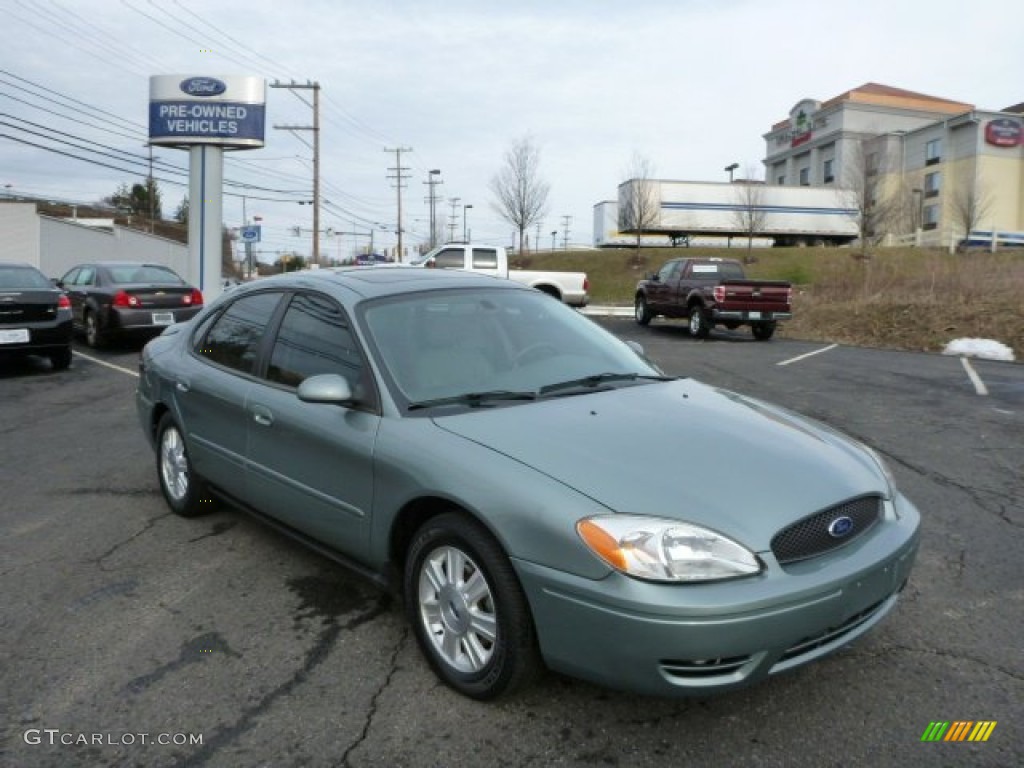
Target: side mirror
{"x":655,"y":278}
{"x":57,"y":282}
{"x":327,"y":388}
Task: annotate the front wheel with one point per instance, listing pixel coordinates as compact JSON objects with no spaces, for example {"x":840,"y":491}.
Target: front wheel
{"x":700,"y":327}
{"x":467,"y":610}
{"x":183,"y":490}
{"x":641,"y":311}
{"x":762,"y":331}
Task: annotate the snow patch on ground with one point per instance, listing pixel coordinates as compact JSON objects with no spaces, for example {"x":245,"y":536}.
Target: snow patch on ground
{"x":984,"y":348}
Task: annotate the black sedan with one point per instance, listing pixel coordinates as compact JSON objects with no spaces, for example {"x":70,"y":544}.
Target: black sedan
{"x":35,"y":316}
{"x":122,"y":298}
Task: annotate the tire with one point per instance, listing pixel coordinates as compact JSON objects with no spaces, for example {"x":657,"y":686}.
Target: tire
{"x":61,"y":359}
{"x":762,"y":331}
{"x":183,"y":490}
{"x":93,"y":335}
{"x":700,"y":326}
{"x":641,"y":311}
{"x":467,"y":609}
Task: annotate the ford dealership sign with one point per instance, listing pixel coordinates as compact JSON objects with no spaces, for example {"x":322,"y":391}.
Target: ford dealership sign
{"x":203,"y":86}
{"x":227,"y":111}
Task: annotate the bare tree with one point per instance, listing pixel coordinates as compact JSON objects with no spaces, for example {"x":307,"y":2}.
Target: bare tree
{"x":968,"y":205}
{"x":863,"y":193}
{"x":639,"y":206}
{"x":521,"y":196}
{"x":751,"y":213}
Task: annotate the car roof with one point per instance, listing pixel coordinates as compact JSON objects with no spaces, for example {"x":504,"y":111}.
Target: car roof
{"x":386,"y":280}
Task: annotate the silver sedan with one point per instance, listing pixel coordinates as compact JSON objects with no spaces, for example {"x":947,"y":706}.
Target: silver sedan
{"x":538,"y":492}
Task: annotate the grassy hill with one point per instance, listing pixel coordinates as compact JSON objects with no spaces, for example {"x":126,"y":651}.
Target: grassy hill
{"x":900,"y":298}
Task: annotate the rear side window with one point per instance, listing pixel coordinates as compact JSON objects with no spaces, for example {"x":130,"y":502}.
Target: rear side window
{"x":234,"y":339}
{"x":485,"y":258}
{"x":314,"y":338}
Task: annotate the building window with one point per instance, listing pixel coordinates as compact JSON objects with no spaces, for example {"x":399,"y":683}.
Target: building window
{"x":781,"y":180}
{"x":931,"y":216}
{"x":932,"y":183}
{"x":805,"y":177}
{"x":827,"y":171}
{"x":933,"y":152}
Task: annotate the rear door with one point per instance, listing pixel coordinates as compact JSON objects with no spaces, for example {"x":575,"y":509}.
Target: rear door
{"x":211,"y":389}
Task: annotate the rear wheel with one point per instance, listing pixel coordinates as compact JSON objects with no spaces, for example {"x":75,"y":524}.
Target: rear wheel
{"x":61,"y":359}
{"x":93,"y":335}
{"x":700,"y":327}
{"x":762,"y":331}
{"x":183,"y":490}
{"x":467,"y":610}
{"x":641,"y":311}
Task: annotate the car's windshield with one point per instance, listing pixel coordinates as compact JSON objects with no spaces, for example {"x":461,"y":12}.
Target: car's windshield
{"x":437,"y":345}
{"x":23,"y":278}
{"x":144,"y":274}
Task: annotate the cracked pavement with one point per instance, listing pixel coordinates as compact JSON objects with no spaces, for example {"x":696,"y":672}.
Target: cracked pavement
{"x":121,"y":618}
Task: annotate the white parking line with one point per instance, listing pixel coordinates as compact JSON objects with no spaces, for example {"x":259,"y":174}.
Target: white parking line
{"x":809,"y":354}
{"x":979,"y":385}
{"x":105,"y":364}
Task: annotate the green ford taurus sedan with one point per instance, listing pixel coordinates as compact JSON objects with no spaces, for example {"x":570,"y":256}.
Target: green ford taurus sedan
{"x":539,"y":493}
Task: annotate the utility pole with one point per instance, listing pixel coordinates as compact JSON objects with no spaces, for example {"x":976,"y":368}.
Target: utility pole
{"x":399,"y":177}
{"x":315,"y":128}
{"x":453,"y":220}
{"x":566,"y":220}
{"x":151,"y":191}
{"x":432,"y":200}
{"x":536,"y":240}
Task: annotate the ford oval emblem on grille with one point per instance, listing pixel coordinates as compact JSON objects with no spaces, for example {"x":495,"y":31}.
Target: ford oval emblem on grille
{"x":203,"y":86}
{"x":840,"y":527}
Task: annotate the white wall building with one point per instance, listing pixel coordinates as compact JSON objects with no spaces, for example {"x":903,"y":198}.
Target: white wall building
{"x":55,"y":245}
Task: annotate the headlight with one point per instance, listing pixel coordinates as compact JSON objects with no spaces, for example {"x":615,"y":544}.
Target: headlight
{"x":655,"y":549}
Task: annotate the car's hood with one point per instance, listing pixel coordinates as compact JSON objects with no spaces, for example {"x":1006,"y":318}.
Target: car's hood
{"x":682,"y":450}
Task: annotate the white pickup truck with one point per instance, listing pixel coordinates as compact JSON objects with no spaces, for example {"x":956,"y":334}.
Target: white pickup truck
{"x":570,"y":287}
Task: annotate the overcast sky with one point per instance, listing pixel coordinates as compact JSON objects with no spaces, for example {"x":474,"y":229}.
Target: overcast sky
{"x":691,"y":85}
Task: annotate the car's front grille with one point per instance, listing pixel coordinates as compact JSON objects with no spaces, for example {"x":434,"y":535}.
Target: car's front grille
{"x":824,"y":531}
{"x":702,"y":668}
{"x":830,"y":635}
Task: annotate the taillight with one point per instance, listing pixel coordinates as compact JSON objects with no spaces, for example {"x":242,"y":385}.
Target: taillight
{"x":586,"y":283}
{"x":193,"y":299}
{"x":63,"y":302}
{"x":124,"y":299}
{"x":719,"y":293}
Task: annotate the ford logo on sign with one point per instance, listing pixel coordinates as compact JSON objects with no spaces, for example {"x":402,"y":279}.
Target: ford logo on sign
{"x":203,"y":86}
{"x":840,"y":527}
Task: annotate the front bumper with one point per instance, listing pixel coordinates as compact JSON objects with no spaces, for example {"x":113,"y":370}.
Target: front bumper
{"x":695,"y":640}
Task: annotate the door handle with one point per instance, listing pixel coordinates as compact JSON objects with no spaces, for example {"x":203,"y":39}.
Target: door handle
{"x":262,"y":415}
{"x":181,"y":386}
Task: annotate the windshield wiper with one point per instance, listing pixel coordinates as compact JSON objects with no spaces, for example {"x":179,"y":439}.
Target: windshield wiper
{"x":473,"y":399}
{"x":597,"y":379}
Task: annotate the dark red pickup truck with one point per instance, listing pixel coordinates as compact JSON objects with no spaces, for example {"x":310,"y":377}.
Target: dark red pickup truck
{"x":713,"y":291}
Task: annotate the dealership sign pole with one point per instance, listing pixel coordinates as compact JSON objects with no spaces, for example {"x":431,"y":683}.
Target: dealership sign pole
{"x":206,"y":115}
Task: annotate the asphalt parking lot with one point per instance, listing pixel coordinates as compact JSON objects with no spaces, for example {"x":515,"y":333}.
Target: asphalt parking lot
{"x":125,"y":626}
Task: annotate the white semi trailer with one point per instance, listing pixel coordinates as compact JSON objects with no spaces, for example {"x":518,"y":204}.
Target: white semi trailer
{"x":689,"y":211}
